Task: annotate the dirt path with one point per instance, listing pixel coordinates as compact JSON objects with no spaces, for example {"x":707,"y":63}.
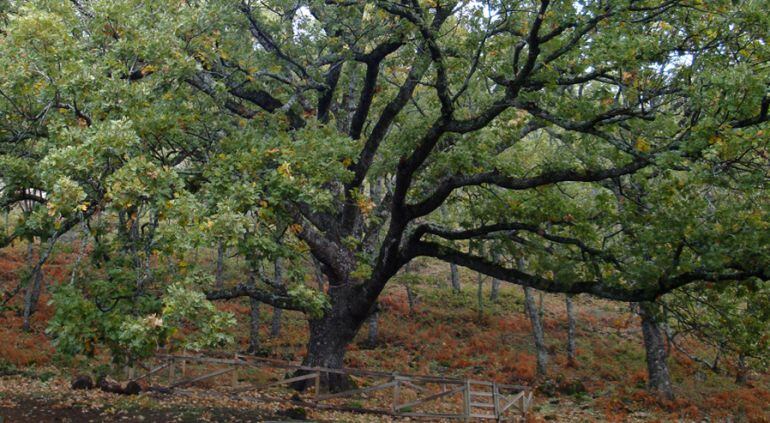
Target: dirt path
{"x":41,"y":410}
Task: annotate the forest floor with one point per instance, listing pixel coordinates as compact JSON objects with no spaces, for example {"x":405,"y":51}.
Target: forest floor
{"x":445,"y":333}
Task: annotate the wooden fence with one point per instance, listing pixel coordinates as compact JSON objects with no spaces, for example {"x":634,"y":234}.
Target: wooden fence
{"x":466,"y":398}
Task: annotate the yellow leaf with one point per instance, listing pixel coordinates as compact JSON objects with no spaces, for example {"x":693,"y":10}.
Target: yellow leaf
{"x":642,"y":145}
{"x":285,"y":170}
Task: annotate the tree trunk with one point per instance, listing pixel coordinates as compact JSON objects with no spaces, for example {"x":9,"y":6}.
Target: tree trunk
{"x":410,"y":297}
{"x":659,"y":380}
{"x":32,"y":296}
{"x":495,"y":291}
{"x":742,"y":371}
{"x":331,"y":334}
{"x":218,"y":278}
{"x":571,"y":350}
{"x":537,"y":332}
{"x":254,"y":327}
{"x":540,"y":307}
{"x":329,"y":338}
{"x":319,"y":275}
{"x":480,"y":294}
{"x":34,"y":284}
{"x":275,"y":325}
{"x":373,"y":326}
{"x":455,"y":278}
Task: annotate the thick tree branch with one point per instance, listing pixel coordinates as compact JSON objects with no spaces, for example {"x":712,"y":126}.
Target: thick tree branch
{"x":246,"y":290}
{"x":483,"y":231}
{"x":597,"y":288}
{"x":372,"y":60}
{"x":448,"y":185}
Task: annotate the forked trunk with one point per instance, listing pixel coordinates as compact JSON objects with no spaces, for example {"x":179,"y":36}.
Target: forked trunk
{"x":659,"y":380}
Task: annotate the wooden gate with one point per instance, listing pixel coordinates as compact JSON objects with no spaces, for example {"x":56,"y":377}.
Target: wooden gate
{"x":452,"y":398}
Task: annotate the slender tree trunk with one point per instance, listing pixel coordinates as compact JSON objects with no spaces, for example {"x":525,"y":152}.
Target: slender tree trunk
{"x":537,"y":332}
{"x":275,"y":325}
{"x":34,"y":284}
{"x":480,"y":293}
{"x":540,"y":307}
{"x":495,"y":289}
{"x":373,"y":328}
{"x":254,"y":327}
{"x":494,"y":293}
{"x":659,"y":379}
{"x":571,"y":350}
{"x":455,"y":278}
{"x":219,"y":275}
{"x":410,"y":297}
{"x":32,"y":296}
{"x":742,"y":371}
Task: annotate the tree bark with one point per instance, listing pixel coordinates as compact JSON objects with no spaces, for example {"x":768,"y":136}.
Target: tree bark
{"x":319,"y":275}
{"x":275,"y":325}
{"x":537,"y":332}
{"x":659,"y":379}
{"x":455,"y":278}
{"x":571,"y":350}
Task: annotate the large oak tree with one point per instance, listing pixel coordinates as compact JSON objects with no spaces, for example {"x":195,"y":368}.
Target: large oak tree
{"x":369,"y":133}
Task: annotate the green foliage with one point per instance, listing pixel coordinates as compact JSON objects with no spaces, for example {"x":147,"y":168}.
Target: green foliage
{"x":135,"y":328}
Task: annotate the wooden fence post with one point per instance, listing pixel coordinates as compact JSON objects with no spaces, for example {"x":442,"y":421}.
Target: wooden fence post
{"x":467,"y":401}
{"x":317,"y":384}
{"x":496,"y":400}
{"x":234,"y":380}
{"x":396,"y":394}
{"x":170,"y":371}
{"x":184,"y":365}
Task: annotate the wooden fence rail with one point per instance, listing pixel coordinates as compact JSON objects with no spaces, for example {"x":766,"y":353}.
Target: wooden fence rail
{"x":480,"y":399}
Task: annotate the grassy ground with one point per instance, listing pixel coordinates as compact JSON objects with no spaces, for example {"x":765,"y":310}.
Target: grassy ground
{"x":445,"y":333}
